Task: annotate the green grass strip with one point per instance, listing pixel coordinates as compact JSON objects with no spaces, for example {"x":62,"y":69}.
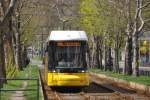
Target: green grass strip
{"x":28,"y":72}
{"x":32,"y":73}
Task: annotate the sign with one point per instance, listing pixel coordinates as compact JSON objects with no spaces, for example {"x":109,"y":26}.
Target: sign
{"x":68,"y":44}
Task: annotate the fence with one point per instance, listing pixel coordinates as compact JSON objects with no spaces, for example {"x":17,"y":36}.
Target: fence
{"x":20,"y":79}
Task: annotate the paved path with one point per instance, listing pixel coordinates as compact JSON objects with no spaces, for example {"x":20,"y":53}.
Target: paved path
{"x":19,"y":95}
{"x":38,"y":63}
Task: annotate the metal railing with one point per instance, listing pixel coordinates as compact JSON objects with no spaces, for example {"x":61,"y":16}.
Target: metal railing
{"x":19,"y":79}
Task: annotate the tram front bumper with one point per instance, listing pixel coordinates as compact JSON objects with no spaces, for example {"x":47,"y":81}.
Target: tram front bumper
{"x":68,"y":79}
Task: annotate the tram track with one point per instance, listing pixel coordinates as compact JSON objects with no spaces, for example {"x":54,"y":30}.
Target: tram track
{"x":89,"y":96}
{"x":99,"y":92}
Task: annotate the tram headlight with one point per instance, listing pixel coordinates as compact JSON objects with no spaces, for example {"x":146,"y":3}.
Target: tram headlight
{"x":54,"y":71}
{"x":83,"y":71}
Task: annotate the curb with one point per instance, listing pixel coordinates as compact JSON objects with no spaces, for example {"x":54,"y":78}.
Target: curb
{"x":139,"y":88}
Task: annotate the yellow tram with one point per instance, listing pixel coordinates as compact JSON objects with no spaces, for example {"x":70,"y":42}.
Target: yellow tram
{"x":65,"y":59}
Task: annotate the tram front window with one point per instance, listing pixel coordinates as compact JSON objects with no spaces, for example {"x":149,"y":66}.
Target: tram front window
{"x":69,"y":56}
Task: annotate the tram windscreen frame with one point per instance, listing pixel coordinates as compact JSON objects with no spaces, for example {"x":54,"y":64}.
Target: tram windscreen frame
{"x":72,"y":54}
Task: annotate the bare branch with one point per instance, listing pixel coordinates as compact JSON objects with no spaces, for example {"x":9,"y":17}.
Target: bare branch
{"x":27,"y":21}
{"x":144,"y":6}
{"x":147,"y":20}
{"x":9,"y":10}
{"x":141,"y":18}
{"x":59,"y":15}
{"x":58,"y":12}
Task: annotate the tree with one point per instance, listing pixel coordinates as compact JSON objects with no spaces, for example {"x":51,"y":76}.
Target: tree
{"x":128,"y":47}
{"x":7,"y":8}
{"x":97,"y":19}
{"x":90,"y":23}
{"x":23,"y":15}
{"x":137,"y":30}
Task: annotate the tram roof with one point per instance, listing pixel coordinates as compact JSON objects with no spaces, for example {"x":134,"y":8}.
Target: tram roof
{"x":67,"y":36}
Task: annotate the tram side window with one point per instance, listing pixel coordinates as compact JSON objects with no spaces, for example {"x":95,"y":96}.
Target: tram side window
{"x":83,"y":53}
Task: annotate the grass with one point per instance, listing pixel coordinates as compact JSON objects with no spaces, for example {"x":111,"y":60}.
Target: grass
{"x":13,"y":85}
{"x":29,"y":72}
{"x":33,"y":73}
{"x":145,"y":80}
{"x":10,"y":85}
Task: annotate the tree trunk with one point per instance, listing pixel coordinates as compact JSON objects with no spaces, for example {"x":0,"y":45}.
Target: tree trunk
{"x":11,"y":41}
{"x":18,"y":51}
{"x":25,"y":59}
{"x":110,"y":60}
{"x":116,"y":60}
{"x":9,"y":50}
{"x":128,"y":56}
{"x":17,"y":42}
{"x":101,"y":56}
{"x":93,"y":56}
{"x":105,"y":57}
{"x":2,"y":58}
{"x":23,"y":55}
{"x":88,"y":57}
{"x":116,"y":55}
{"x":97,"y":52}
{"x":136,"y":56}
